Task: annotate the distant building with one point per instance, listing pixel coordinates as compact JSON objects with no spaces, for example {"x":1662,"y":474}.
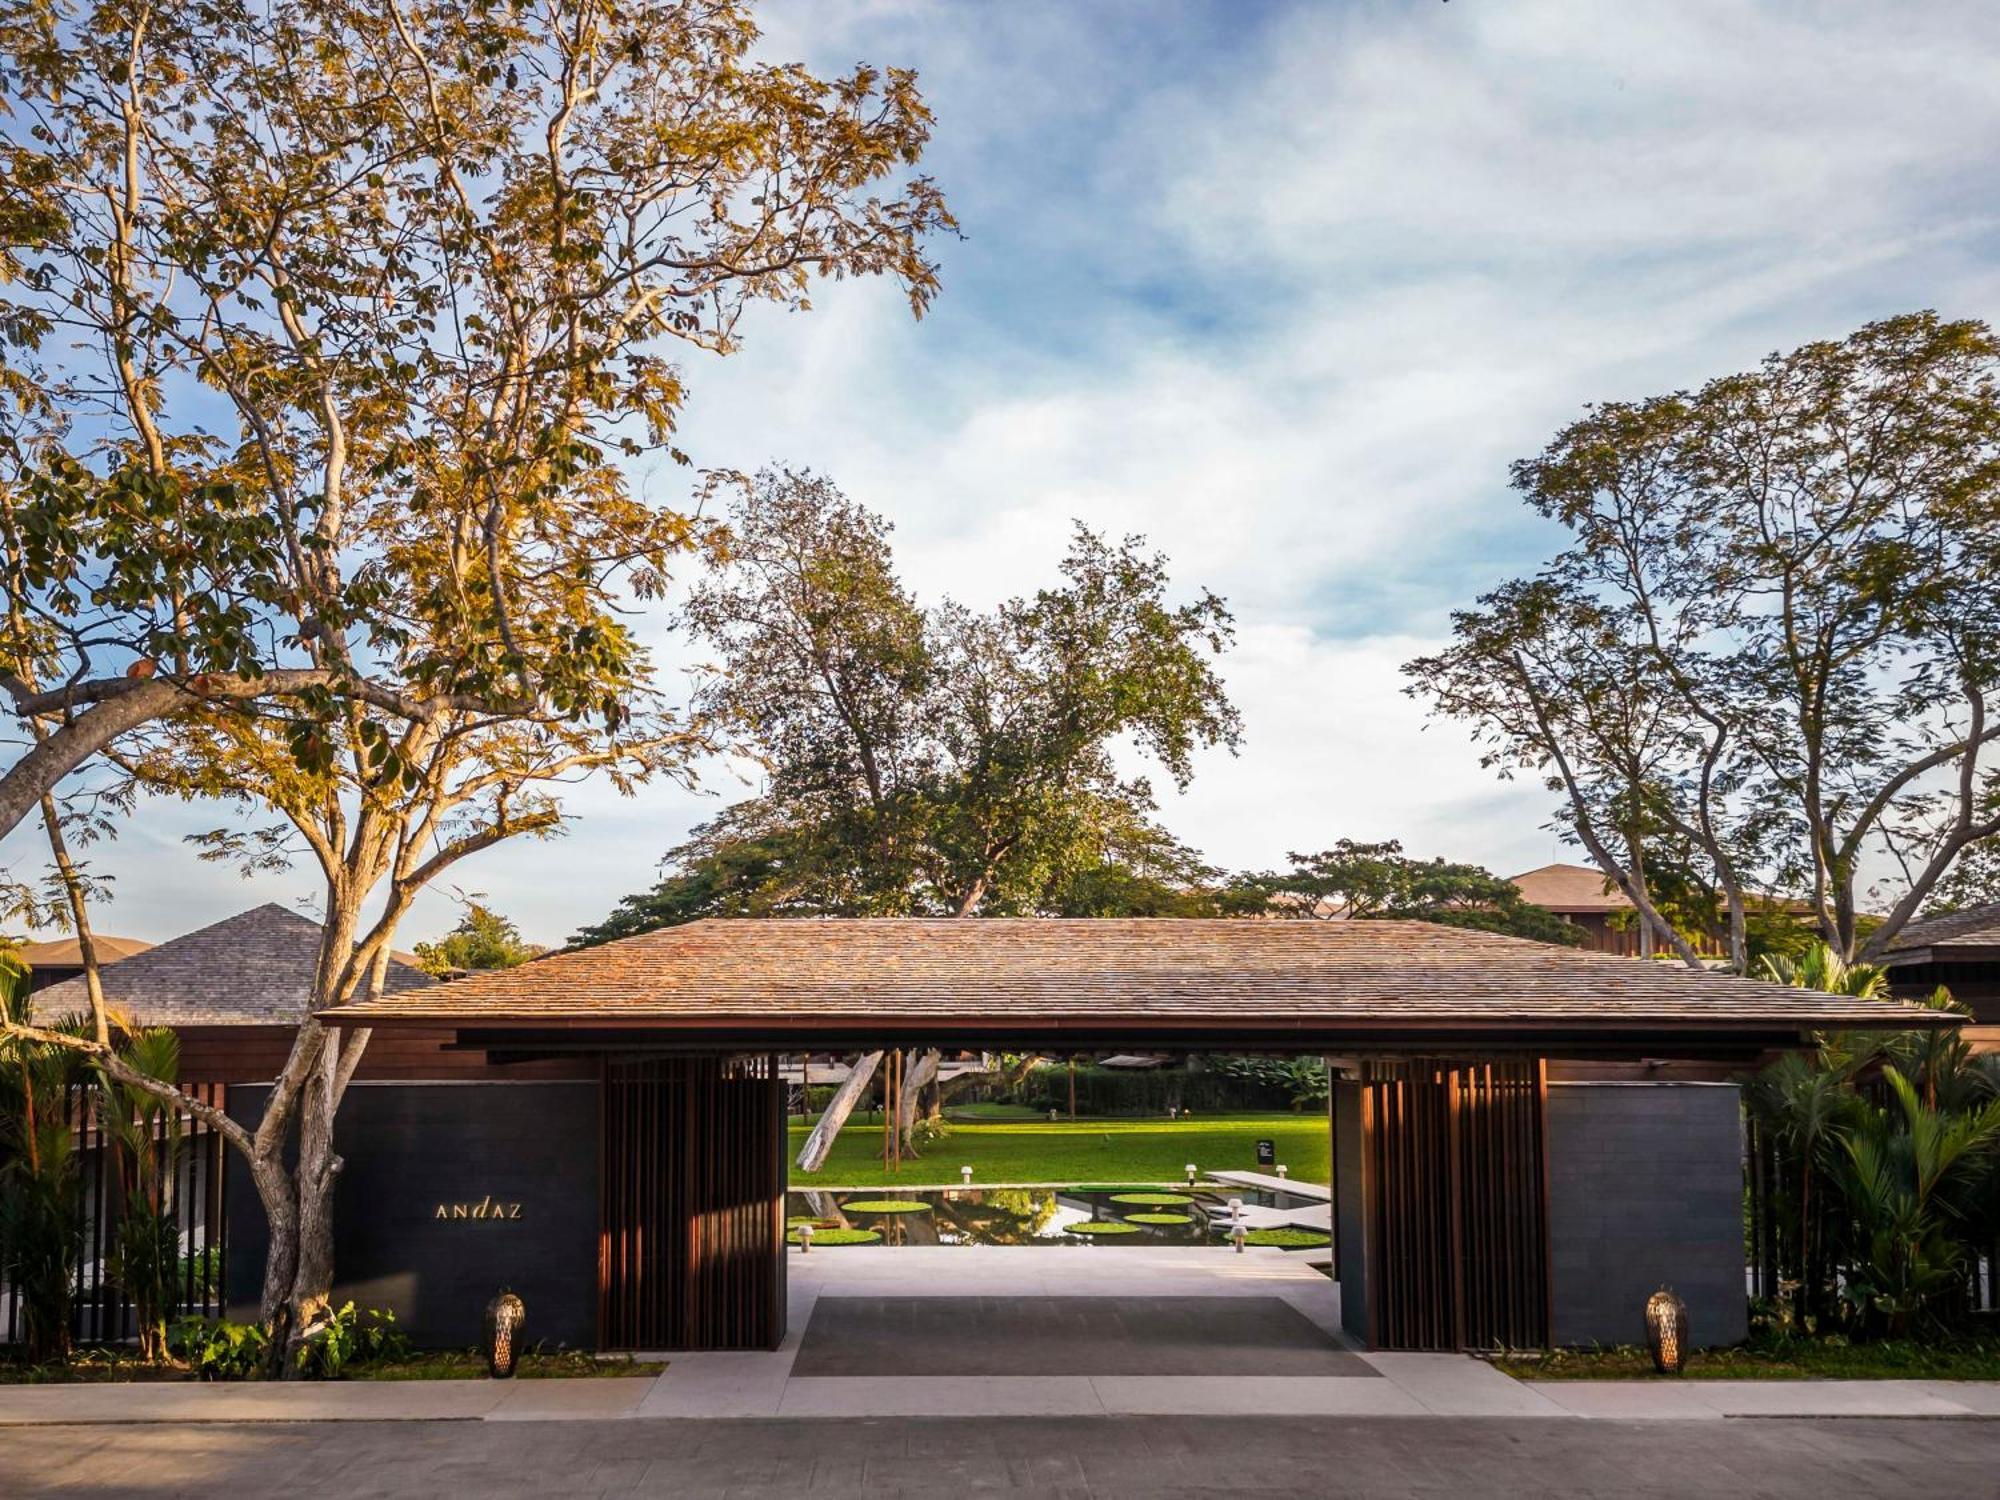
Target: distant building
{"x":1582,"y":897}
{"x":53,"y":962}
{"x":1960,"y":951}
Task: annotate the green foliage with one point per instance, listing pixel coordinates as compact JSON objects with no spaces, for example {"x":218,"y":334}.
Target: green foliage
{"x":1353,"y":880}
{"x":350,"y":1338}
{"x":1754,"y":660}
{"x":41,"y":1182}
{"x":1215,"y":1087}
{"x":1888,"y":1152}
{"x":147,"y":1136}
{"x":939,"y":761}
{"x":369,"y":501}
{"x":1303,"y":1079}
{"x":483,"y":939}
{"x":217,"y":1349}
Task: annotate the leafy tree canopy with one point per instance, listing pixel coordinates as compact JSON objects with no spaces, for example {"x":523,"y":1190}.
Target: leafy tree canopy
{"x":1773,"y":638}
{"x":483,"y":939}
{"x":943,"y":760}
{"x":1354,"y":880}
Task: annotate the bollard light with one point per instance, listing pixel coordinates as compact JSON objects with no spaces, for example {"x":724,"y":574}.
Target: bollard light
{"x":965,"y":1175}
{"x":504,"y":1316}
{"x":805,"y":1238}
{"x":1236,"y":1209}
{"x":1053,"y":1115}
{"x":1284,"y":1171}
{"x":1667,"y":1331}
{"x":1237,"y":1235}
{"x":1190,"y":1172}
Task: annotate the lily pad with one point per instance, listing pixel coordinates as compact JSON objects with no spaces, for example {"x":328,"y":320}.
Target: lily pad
{"x":1154,"y":1200}
{"x":1289,"y":1239}
{"x":839,"y":1237}
{"x":885,"y":1206}
{"x":1159,"y":1218}
{"x":1102,"y":1226}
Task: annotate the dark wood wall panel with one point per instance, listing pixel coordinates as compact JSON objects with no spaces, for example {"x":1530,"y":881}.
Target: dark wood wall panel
{"x":691,"y":1248}
{"x":256,"y":1054}
{"x":1456,"y":1201}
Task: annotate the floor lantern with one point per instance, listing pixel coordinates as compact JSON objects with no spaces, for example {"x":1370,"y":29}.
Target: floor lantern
{"x":504,"y":1317}
{"x":1667,"y":1331}
{"x":1190,"y":1173}
{"x":965,"y":1175}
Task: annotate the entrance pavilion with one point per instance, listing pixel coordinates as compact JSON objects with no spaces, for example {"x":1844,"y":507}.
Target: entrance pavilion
{"x":1527,"y":1138}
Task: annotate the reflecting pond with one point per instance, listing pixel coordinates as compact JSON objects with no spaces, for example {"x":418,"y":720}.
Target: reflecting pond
{"x":1135,"y":1214}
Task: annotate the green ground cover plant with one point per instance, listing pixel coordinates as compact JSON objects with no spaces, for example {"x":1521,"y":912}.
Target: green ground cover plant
{"x":1104,"y":1153}
{"x":1826,"y":1358}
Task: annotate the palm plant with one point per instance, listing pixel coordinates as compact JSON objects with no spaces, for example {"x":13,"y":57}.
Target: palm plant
{"x":41,"y":1180}
{"x":148,"y":1136}
{"x":1800,"y":1101}
{"x":1897,"y":1169}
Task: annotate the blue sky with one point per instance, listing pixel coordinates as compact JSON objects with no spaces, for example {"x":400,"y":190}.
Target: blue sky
{"x":1285,"y":288}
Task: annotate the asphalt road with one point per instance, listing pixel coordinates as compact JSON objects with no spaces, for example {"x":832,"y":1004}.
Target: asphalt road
{"x":1073,"y":1458}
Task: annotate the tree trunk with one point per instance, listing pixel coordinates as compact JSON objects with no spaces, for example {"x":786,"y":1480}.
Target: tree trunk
{"x":812,"y":1155}
{"x":309,"y":1299}
{"x":913,"y":1087}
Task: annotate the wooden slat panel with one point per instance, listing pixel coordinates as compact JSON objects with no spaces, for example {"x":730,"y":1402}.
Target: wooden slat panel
{"x":1456,"y":1204}
{"x":691,"y":1245}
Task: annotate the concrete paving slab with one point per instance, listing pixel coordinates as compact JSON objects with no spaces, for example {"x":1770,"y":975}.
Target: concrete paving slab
{"x":942,"y":1396}
{"x":359,"y":1400}
{"x":1451,"y":1385}
{"x":1254,"y":1396}
{"x":1629,"y":1400}
{"x":1979,"y":1396}
{"x":1827,"y":1398}
{"x":546,"y":1400}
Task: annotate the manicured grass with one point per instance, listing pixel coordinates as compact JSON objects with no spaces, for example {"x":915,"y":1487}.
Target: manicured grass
{"x":986,"y":1111}
{"x":1113,"y":1152}
{"x":1788,"y":1359}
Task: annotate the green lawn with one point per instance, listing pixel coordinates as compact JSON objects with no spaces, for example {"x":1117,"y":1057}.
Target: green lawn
{"x":1083,"y":1151}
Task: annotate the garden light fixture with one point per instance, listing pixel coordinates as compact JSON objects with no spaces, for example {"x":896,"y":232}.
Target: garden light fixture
{"x":1190,"y":1173}
{"x":504,"y":1317}
{"x":1667,"y":1331}
{"x":805,"y":1238}
{"x":965,"y":1175}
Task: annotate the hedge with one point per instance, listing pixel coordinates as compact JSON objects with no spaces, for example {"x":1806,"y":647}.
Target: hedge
{"x":1147,"y":1091}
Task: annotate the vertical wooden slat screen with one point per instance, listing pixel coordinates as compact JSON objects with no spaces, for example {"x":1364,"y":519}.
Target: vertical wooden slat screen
{"x":1456,"y":1203}
{"x":691,"y":1237}
{"x":99,"y":1311}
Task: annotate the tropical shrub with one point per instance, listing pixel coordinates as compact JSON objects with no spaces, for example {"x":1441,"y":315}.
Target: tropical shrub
{"x":217,"y":1349}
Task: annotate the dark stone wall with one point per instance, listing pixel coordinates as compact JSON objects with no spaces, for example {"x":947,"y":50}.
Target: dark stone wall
{"x":1645,"y":1191}
{"x":514,"y":1167}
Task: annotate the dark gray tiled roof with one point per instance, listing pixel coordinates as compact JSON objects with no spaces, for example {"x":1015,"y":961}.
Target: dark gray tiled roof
{"x":252,"y":969}
{"x":1975,"y":927}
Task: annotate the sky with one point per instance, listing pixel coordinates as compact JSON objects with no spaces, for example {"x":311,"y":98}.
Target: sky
{"x":1285,"y":288}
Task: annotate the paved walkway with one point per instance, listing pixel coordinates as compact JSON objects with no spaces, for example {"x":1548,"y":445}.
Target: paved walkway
{"x":1263,"y":1312}
{"x":1175,"y":1458}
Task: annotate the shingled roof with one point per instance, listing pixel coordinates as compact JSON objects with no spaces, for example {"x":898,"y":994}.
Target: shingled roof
{"x":798,"y":979}
{"x":67,"y":953}
{"x":1570,"y":888}
{"x":252,"y":969}
{"x":1955,"y":935}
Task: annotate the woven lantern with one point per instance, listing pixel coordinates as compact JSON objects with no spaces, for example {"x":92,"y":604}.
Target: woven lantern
{"x":504,"y":1316}
{"x":1667,"y":1331}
